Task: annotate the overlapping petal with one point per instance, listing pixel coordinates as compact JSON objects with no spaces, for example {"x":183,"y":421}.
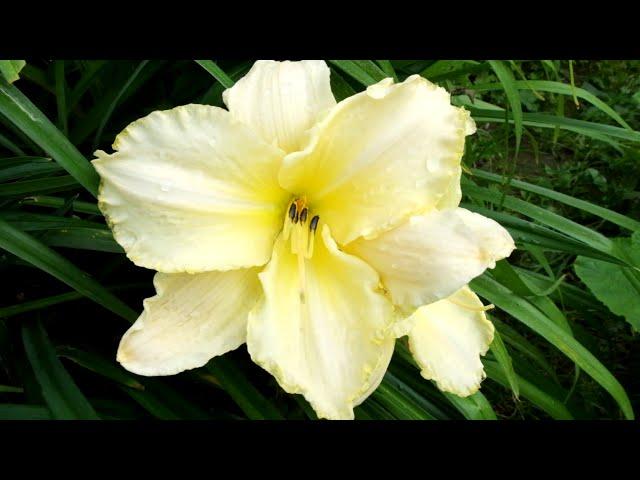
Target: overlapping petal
{"x":447,"y":339}
{"x":379,"y":156}
{"x":431,"y":256}
{"x":191,"y":319}
{"x":281,"y":100}
{"x":191,"y":189}
{"x":320,"y":330}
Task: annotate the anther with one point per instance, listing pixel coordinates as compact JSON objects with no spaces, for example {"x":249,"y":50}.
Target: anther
{"x":297,"y":217}
{"x":314,"y":224}
{"x":292,"y":211}
{"x":303,"y":215}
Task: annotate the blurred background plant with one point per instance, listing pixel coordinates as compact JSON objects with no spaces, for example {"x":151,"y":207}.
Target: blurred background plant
{"x":555,"y":160}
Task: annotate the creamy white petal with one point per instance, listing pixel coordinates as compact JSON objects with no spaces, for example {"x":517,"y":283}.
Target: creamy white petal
{"x":379,"y":156}
{"x":281,"y":100}
{"x":447,"y":339}
{"x":191,"y":319}
{"x":431,"y":256}
{"x":453,"y":194}
{"x":326,"y":336}
{"x":191,"y":189}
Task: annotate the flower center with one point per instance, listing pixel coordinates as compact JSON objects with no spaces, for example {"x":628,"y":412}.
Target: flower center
{"x":300,"y":227}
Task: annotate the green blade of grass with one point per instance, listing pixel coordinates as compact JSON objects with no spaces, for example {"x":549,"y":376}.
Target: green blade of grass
{"x":398,"y":403}
{"x":513,"y":96}
{"x":11,"y":146}
{"x":531,"y":392}
{"x":527,"y":232}
{"x":521,"y":309}
{"x":61,"y":95}
{"x":10,"y":389}
{"x":116,"y":101}
{"x":604,"y":213}
{"x":351,"y":68}
{"x":42,"y":303}
{"x":99,"y":365}
{"x":562,"y":89}
{"x":84,"y":83}
{"x":56,"y":202}
{"x":501,"y":354}
{"x":94,"y":239}
{"x":40,"y":185}
{"x":387,"y":67}
{"x":474,"y":407}
{"x":96,"y":114}
{"x":28,"y":170}
{"x":62,"y":395}
{"x":30,"y":120}
{"x":570,"y":228}
{"x":525,"y":347}
{"x":545,"y":120}
{"x":216,"y":72}
{"x":12,"y":411}
{"x":31,"y":250}
{"x":254,"y":405}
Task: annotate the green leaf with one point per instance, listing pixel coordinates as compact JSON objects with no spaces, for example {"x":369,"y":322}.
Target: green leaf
{"x":97,"y":364}
{"x":387,"y":67}
{"x":247,"y":397}
{"x":570,"y":228}
{"x":554,"y":407}
{"x":616,"y":286}
{"x":395,"y":398}
{"x":216,"y":72}
{"x":40,"y":185}
{"x":606,"y":214}
{"x":562,"y":89}
{"x":10,"y":389}
{"x":116,"y":101}
{"x":545,"y":120}
{"x":55,"y":202}
{"x":30,"y":120}
{"x":62,"y":395}
{"x":31,"y":250}
{"x":513,"y":96}
{"x":354,"y":68}
{"x":28,"y":170}
{"x":10,"y":411}
{"x":61,"y":95}
{"x":501,"y":354}
{"x":524,"y":311}
{"x":10,"y":69}
{"x":474,"y":407}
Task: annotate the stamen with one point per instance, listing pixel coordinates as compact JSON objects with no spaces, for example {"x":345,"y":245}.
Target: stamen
{"x":292,"y":211}
{"x":314,"y":224}
{"x":473,"y":308}
{"x":303,"y":215}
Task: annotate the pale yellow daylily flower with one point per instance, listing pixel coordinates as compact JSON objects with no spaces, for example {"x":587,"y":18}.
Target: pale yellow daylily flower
{"x":315,"y":232}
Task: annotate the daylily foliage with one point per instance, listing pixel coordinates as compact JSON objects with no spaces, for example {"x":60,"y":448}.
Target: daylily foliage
{"x":315,"y":232}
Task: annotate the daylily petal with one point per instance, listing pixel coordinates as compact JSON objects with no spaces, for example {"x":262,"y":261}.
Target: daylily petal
{"x":281,"y":100}
{"x":431,"y":256}
{"x":325,"y":336}
{"x":191,"y":189}
{"x":379,"y":156}
{"x":453,"y":194}
{"x":447,"y":340}
{"x":191,"y":319}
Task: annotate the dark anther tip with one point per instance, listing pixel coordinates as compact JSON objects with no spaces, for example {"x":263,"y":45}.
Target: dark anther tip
{"x":303,"y":215}
{"x":292,"y":211}
{"x":314,"y":223}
